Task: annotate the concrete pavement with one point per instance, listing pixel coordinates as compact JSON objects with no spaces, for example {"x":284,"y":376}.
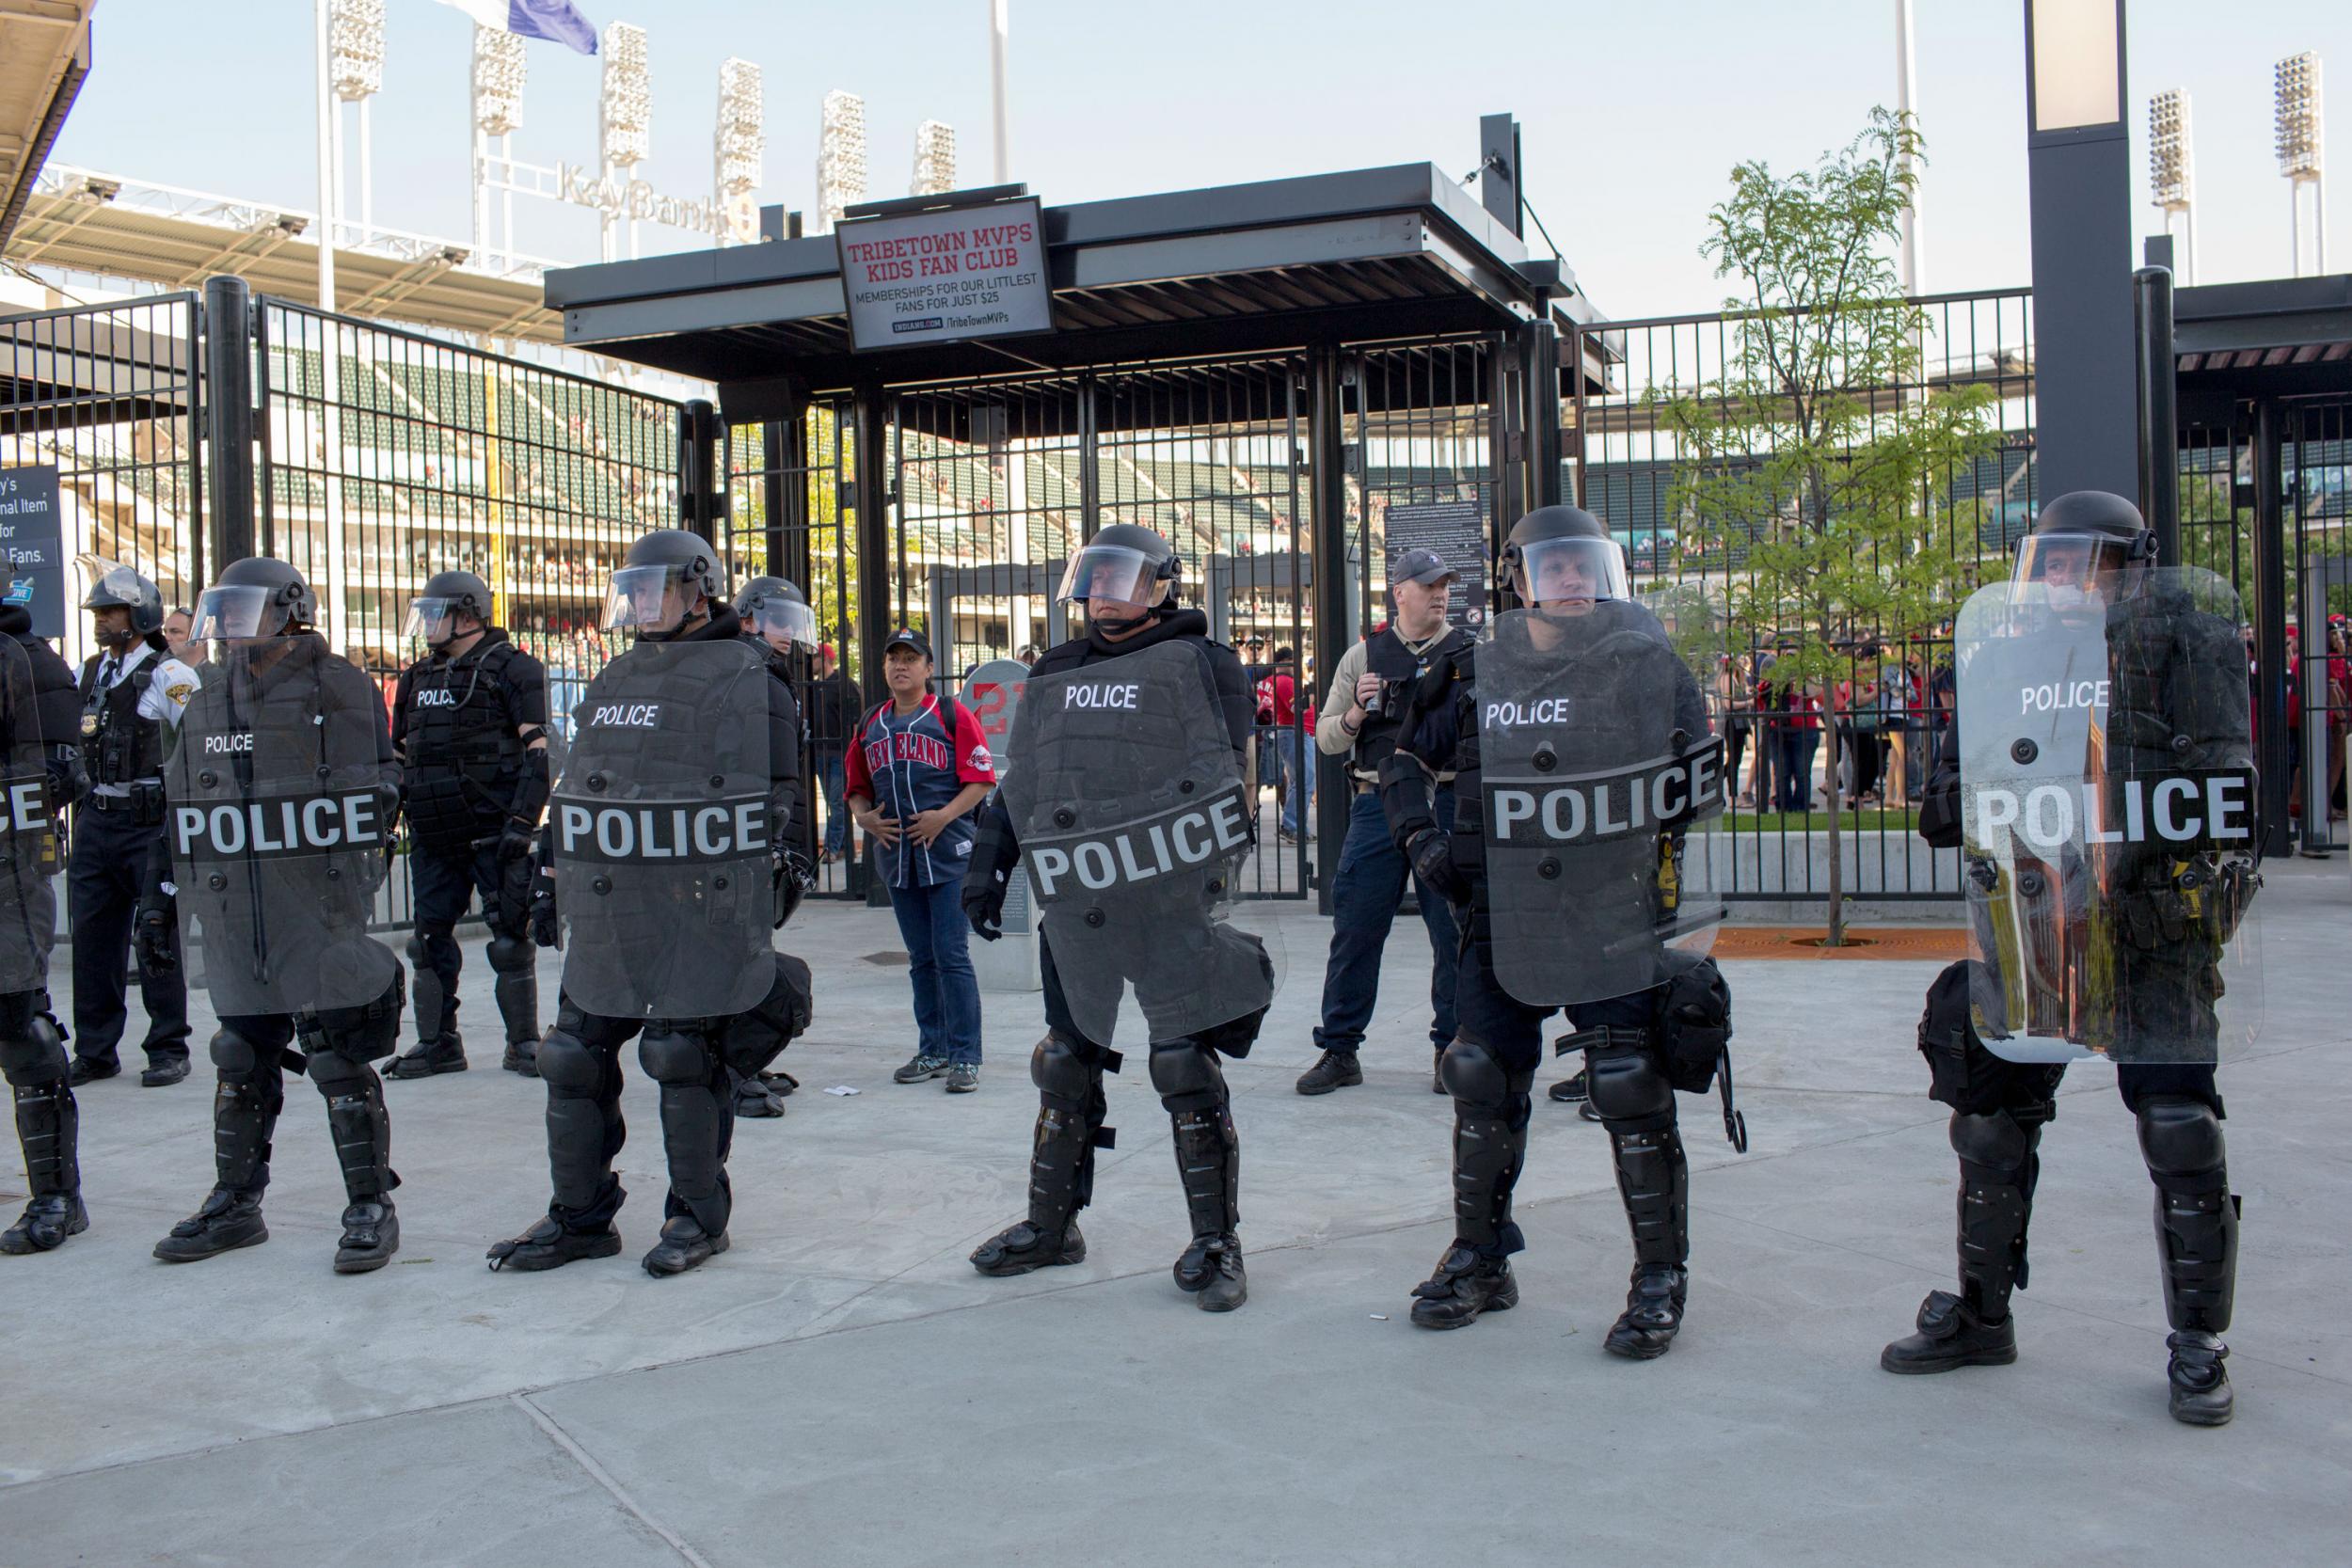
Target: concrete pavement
{"x":842,"y":1388}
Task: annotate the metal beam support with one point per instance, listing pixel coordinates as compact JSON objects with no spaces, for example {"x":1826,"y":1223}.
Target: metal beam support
{"x":1539,"y":351}
{"x":2270,"y":627}
{"x":702,"y":501}
{"x":2080,"y":199}
{"x":1327,"y":440}
{"x":870,"y":480}
{"x":2159,"y":411}
{"x":1506,"y":431}
{"x":229,"y":417}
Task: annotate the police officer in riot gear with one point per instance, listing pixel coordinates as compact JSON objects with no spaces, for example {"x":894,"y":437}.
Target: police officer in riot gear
{"x":39,"y":723}
{"x":1639,"y":1015}
{"x":131,"y":690}
{"x":1203,"y":988}
{"x":283,"y":795}
{"x":470,"y":726}
{"x":2135,"y":675}
{"x":779,"y":624}
{"x":664,"y":887}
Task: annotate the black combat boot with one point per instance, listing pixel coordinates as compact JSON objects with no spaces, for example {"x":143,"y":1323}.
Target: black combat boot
{"x":1061,"y":1165}
{"x":684,"y":1244}
{"x":1998,"y":1170}
{"x":566,"y":1235}
{"x":1464,"y":1286}
{"x":1654,"y":1179}
{"x":48,"y":1126}
{"x":445,"y":1055}
{"x":228,"y":1220}
{"x":1208,"y":1158}
{"x":522,"y":1058}
{"x":1333,"y":1070}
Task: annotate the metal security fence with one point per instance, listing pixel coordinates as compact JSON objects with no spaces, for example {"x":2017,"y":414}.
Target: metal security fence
{"x":369,"y":456}
{"x":1625,"y":465}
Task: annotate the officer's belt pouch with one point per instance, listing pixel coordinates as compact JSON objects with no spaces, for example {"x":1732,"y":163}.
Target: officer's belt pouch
{"x":1693,"y":1027}
{"x":147,"y":804}
{"x":1966,"y":1076}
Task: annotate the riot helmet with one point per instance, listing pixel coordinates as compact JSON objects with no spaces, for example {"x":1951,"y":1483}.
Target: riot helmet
{"x":1561,"y":556}
{"x":775,"y":610}
{"x":433,"y":614}
{"x":1123,"y":563}
{"x":254,"y":598}
{"x":114,"y":586}
{"x":2087,"y":545}
{"x":660,"y":582}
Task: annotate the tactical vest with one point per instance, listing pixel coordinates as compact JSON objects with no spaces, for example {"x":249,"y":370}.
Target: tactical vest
{"x":118,"y":746}
{"x":462,"y":749}
{"x":1387,"y":656}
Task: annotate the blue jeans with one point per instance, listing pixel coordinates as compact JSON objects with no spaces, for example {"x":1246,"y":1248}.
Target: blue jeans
{"x":1364,"y":898}
{"x":1796,"y":768}
{"x":832,"y":777}
{"x":1298,"y":796}
{"x":938,"y":963}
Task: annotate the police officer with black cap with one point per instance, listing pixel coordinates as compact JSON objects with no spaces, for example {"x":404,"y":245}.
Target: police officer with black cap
{"x":132,"y":690}
{"x":469,"y":725}
{"x":1564,"y":889}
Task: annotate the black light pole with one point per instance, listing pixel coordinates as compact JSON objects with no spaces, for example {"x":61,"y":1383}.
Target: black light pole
{"x":2078,"y":161}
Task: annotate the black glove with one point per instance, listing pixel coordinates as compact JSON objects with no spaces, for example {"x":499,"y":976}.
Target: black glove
{"x":68,"y":785}
{"x":792,"y":879}
{"x":1431,"y":853}
{"x":543,"y":928}
{"x":514,"y":841}
{"x":155,"y":932}
{"x":984,"y":906}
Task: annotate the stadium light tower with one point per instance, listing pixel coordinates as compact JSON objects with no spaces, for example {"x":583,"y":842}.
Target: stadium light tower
{"x":2171,"y":183}
{"x":2298,"y":145}
{"x":624,"y":117}
{"x":736,"y":148}
{"x":934,"y":159}
{"x":840,"y":156}
{"x":356,"y":69}
{"x":499,"y":73}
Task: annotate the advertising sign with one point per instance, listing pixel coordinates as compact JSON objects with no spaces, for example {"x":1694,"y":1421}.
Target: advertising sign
{"x":32,"y":546}
{"x":946,"y":276}
{"x":1456,"y":531}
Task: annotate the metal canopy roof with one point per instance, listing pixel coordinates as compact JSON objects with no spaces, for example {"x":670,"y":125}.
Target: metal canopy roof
{"x":1361,"y":256}
{"x":2283,"y":336}
{"x":44,"y":55}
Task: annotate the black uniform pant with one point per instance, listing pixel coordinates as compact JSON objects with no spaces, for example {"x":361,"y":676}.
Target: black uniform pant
{"x":444,"y":881}
{"x":107,"y":877}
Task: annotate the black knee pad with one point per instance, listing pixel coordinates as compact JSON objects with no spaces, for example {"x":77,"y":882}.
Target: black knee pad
{"x":233,"y":1055}
{"x":1186,"y":1074}
{"x":1472,"y":1076}
{"x":2181,"y":1139}
{"x":1060,"y":1077}
{"x":566,"y":1066}
{"x":33,"y":1053}
{"x":511,"y":954}
{"x":18,"y":1008}
{"x":1995,"y":1140}
{"x":674,"y":1058}
{"x":335,"y":1073}
{"x":1628,"y":1089}
{"x":366,"y":1032}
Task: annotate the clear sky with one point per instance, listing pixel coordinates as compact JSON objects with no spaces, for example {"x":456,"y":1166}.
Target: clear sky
{"x":1634,"y":110}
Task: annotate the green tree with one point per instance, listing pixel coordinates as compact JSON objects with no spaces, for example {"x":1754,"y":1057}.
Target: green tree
{"x":1815,"y":473}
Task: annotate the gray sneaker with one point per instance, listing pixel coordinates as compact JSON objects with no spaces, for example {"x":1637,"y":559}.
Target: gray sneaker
{"x":964,"y":1078}
{"x":918,"y":1068}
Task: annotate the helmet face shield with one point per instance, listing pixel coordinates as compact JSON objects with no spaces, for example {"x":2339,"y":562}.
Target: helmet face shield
{"x":433,"y":619}
{"x":1111,"y":572}
{"x":1572,"y":571}
{"x":646,"y":599}
{"x":777,"y":618}
{"x":2069,"y":571}
{"x":235,"y":614}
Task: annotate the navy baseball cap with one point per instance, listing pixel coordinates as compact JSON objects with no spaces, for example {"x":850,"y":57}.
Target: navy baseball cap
{"x":1421,"y":566}
{"x":907,"y":636}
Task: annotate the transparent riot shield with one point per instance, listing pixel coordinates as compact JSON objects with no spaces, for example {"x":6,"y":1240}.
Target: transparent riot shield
{"x":282,"y":799}
{"x":1602,"y":774}
{"x":663,"y":836}
{"x":29,"y":832}
{"x":2107,"y":799}
{"x":1133,"y":818}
